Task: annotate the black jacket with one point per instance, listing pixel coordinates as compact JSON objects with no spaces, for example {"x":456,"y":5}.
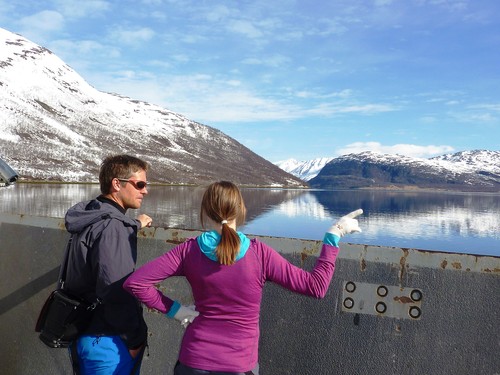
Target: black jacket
{"x":103,"y":253}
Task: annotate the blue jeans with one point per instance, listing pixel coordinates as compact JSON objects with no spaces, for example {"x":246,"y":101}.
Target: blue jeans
{"x":104,"y":355}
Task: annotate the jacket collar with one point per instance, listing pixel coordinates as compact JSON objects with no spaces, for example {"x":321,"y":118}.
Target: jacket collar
{"x":208,"y":242}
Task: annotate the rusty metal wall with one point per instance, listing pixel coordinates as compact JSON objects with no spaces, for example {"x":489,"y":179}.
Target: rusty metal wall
{"x":456,"y":329}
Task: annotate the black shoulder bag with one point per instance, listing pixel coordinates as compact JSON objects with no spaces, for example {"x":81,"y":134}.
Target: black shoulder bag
{"x":63,"y":316}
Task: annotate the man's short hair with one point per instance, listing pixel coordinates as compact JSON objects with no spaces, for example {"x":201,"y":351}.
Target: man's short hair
{"x":119,"y":166}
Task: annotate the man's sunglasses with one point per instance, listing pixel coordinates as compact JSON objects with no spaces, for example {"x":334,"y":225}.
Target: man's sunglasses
{"x":139,"y":185}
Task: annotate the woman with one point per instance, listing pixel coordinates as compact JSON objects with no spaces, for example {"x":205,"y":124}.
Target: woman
{"x":227,"y":272}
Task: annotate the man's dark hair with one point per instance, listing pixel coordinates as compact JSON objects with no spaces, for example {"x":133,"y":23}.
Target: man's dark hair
{"x":119,"y":166}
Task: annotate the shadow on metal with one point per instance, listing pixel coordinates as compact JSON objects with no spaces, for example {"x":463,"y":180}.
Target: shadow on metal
{"x":28,"y":291}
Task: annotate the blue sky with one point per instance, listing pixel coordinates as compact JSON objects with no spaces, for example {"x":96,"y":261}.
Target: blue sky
{"x":292,"y":79}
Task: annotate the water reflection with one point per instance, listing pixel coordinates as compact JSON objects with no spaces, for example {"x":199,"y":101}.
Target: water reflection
{"x":418,"y":213}
{"x":434,"y":221}
{"x":44,"y":199}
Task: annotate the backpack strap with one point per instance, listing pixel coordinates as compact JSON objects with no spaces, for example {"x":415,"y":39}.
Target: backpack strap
{"x":64,"y":265}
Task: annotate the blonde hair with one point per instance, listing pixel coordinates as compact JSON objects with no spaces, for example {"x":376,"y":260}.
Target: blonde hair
{"x":222,"y":201}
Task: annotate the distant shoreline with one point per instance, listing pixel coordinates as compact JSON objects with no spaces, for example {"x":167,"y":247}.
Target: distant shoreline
{"x":391,"y":188}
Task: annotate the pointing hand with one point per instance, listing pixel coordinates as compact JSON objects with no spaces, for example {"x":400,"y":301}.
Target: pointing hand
{"x":346,"y":224}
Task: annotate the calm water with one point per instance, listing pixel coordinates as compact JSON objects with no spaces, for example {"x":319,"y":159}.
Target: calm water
{"x":465,"y":223}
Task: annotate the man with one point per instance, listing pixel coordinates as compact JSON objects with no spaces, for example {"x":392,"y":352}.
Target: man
{"x":103,"y":253}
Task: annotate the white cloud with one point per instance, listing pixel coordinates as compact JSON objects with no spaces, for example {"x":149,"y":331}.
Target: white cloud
{"x":366,"y":108}
{"x":490,"y":107}
{"x":342,"y":94}
{"x":415,"y":151}
{"x":152,"y":2}
{"x":272,"y":61}
{"x":133,"y":37}
{"x":44,"y":22}
{"x":478,"y":114}
{"x":428,"y":119}
{"x":246,"y":28}
{"x":159,"y":15}
{"x":80,"y":9}
{"x":327,"y":27}
{"x":383,"y":2}
{"x":227,"y":99}
{"x":474,"y":117}
{"x":329,"y":109}
{"x":240,"y":106}
{"x":82,"y":47}
{"x":6,"y":11}
{"x":82,"y":55}
{"x":217,"y":13}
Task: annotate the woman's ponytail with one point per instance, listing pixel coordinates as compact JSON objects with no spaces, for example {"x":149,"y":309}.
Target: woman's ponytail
{"x":223,"y":202}
{"x":229,"y":245}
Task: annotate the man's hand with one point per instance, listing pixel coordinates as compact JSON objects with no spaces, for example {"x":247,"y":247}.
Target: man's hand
{"x":145,"y":220}
{"x":135,"y":352}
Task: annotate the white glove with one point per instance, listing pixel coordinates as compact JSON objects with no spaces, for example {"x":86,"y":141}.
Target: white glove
{"x":186,"y":315}
{"x":346,"y":224}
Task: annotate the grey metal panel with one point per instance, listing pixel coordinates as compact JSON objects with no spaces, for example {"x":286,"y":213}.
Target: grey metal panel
{"x":382,"y":300}
{"x":458,"y":332}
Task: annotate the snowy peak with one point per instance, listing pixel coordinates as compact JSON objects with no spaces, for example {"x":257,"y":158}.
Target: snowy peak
{"x":305,"y":170}
{"x":459,"y":162}
{"x":477,"y":170}
{"x":479,"y":160}
{"x":55,"y":126}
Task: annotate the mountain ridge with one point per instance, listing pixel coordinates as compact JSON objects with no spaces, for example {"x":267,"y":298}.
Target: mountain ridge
{"x":474,"y":170}
{"x":56,"y":127}
{"x":305,"y":170}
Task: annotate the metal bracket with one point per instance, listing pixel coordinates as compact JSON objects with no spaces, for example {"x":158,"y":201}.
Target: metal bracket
{"x":382,"y":300}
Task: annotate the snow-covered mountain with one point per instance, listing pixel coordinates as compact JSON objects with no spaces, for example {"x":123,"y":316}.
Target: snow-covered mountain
{"x":305,"y":170}
{"x":479,"y":160}
{"x":55,"y":126}
{"x":477,"y":170}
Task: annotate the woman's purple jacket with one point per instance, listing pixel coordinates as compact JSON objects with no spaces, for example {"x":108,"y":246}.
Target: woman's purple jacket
{"x":225,"y":336}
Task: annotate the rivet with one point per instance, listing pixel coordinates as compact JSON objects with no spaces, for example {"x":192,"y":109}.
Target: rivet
{"x":382,"y":291}
{"x":416,"y":295}
{"x":415,"y":312}
{"x":348,"y":303}
{"x":380,"y":307}
{"x":350,"y":287}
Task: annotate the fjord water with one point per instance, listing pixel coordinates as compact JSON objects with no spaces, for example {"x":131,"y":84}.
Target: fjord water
{"x":436,"y":221}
